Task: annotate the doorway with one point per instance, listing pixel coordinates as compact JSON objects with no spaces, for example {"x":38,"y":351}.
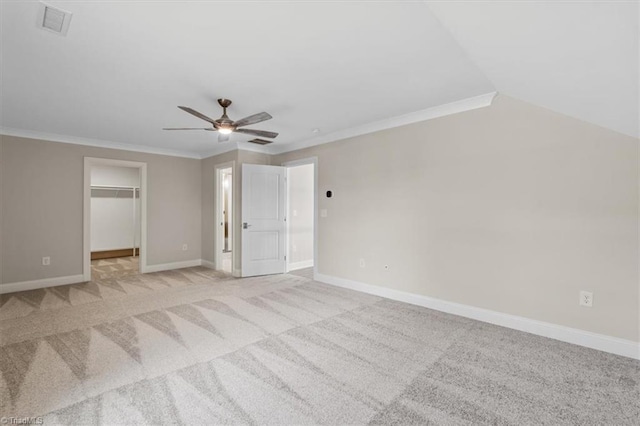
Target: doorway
{"x":224,"y":247}
{"x":279,"y":218}
{"x":115,"y":221}
{"x":301,"y":223}
{"x":114,"y":244}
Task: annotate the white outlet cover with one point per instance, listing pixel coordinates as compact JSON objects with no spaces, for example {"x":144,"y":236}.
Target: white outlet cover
{"x":586,"y":299}
{"x":46,"y":261}
{"x":185,"y":247}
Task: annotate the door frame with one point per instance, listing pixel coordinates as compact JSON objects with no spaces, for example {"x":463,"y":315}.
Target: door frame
{"x":287,"y":231}
{"x":89,"y":162}
{"x":218,"y":235}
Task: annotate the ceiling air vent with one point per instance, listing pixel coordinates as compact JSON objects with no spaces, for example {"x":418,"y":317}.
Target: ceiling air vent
{"x":53,"y":19}
{"x":260,"y":141}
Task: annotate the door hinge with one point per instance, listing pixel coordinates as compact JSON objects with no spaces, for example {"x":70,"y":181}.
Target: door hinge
{"x":285,"y":257}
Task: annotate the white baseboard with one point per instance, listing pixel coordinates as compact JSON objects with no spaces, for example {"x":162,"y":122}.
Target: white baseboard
{"x":173,"y":265}
{"x":301,"y":265}
{"x":43,"y":283}
{"x":74,"y":279}
{"x":614,"y":345}
{"x":208,"y":264}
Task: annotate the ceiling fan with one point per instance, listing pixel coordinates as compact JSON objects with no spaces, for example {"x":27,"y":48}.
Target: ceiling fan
{"x":225,"y":126}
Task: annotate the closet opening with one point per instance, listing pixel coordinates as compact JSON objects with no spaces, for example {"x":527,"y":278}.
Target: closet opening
{"x":114,"y":219}
{"x":115,"y":232}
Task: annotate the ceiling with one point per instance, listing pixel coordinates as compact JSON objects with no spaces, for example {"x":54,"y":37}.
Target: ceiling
{"x":118,"y":75}
{"x":577,"y":58}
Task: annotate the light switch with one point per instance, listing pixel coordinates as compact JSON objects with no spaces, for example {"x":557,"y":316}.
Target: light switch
{"x":323,"y":213}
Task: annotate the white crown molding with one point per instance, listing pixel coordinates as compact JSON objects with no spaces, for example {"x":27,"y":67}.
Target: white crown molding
{"x":463,"y":105}
{"x":468,"y":104}
{"x":601,"y":342}
{"x":247,"y":146}
{"x":236,"y":146}
{"x":53,"y":137}
{"x":222,"y":149}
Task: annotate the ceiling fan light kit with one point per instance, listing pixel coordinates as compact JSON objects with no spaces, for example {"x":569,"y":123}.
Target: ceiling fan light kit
{"x":225,"y":126}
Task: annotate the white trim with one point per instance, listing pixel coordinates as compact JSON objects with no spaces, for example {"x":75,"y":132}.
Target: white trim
{"x":234,"y":146}
{"x":287,"y":220}
{"x":389,"y":123}
{"x":89,"y":162}
{"x":413,"y":117}
{"x":614,"y":345}
{"x":300,"y":265}
{"x":218,"y":240}
{"x":302,"y":162}
{"x":208,"y":264}
{"x":100,"y":143}
{"x":43,"y":283}
{"x":248,"y":146}
{"x":237,"y":273}
{"x":221,"y":149}
{"x":174,"y":265}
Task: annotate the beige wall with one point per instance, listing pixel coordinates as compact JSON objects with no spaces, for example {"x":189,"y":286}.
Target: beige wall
{"x":511,"y":208}
{"x":42,"y":207}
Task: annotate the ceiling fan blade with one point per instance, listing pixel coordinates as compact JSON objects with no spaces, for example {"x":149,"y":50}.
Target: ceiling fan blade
{"x":196,"y":113}
{"x":260,"y":141}
{"x":185,"y":128}
{"x":263,"y":133}
{"x":223,"y":137}
{"x":253,"y":119}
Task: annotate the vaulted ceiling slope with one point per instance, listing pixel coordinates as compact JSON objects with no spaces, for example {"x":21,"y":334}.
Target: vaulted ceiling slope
{"x":577,"y":58}
{"x":117,"y":76}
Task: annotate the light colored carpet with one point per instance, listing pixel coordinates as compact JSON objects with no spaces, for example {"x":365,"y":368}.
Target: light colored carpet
{"x":194,"y":346}
{"x":114,"y":268}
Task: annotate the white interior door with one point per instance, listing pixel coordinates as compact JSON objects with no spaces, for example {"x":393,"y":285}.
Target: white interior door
{"x":263,"y":220}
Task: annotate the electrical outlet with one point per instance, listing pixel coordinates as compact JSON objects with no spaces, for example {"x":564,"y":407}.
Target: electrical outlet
{"x":586,"y":299}
{"x":46,"y":261}
{"x":362,"y":264}
{"x":185,"y":247}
